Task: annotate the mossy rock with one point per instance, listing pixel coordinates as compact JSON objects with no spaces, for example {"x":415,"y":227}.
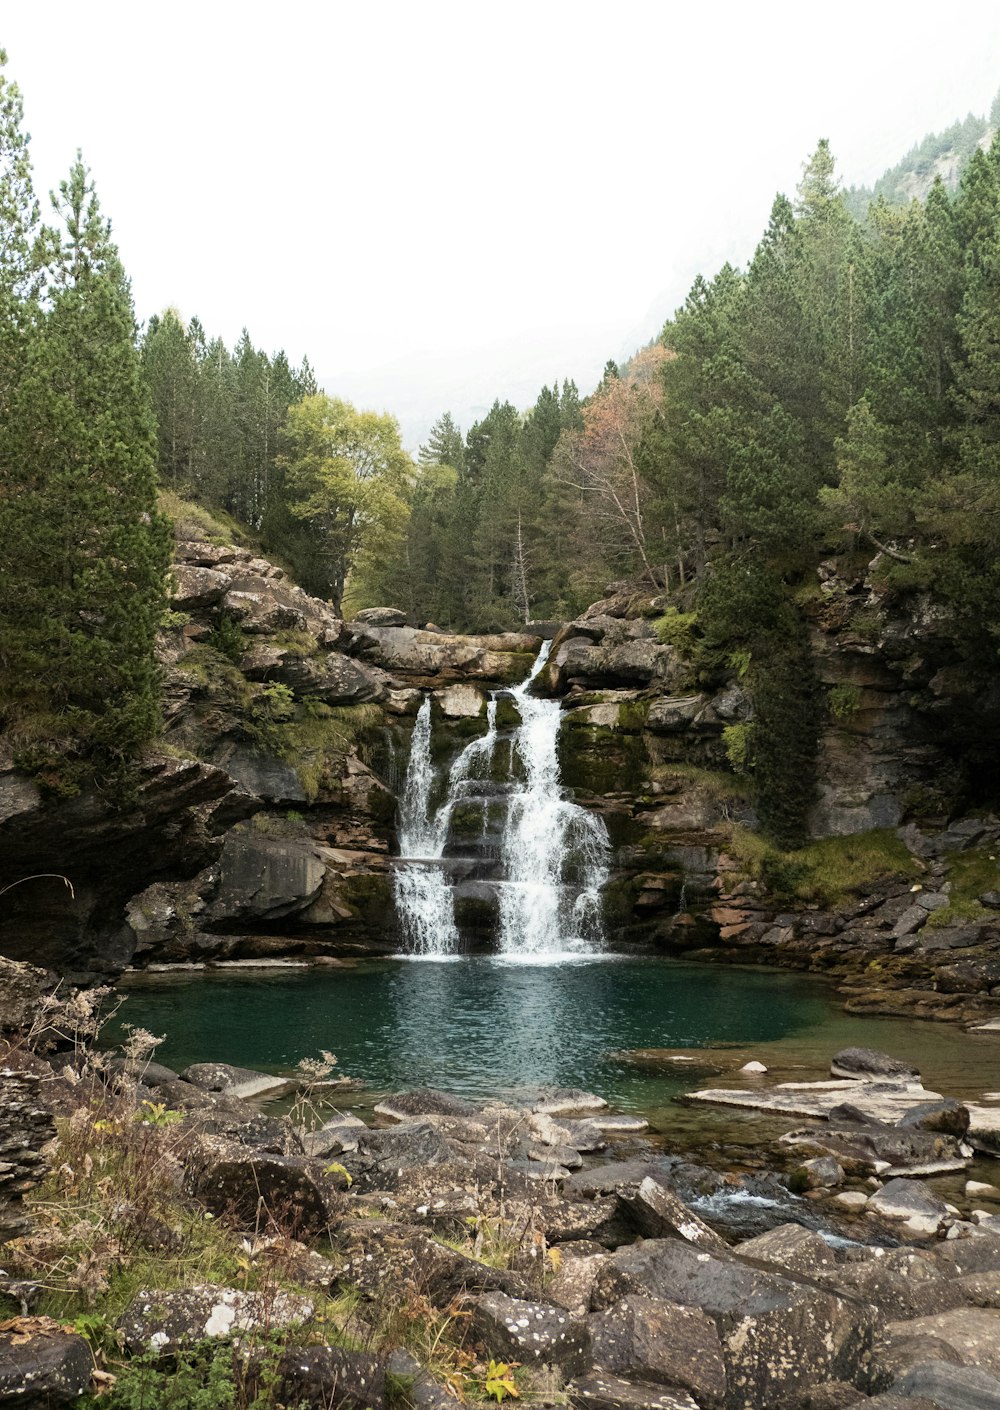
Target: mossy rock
{"x":596,"y":759}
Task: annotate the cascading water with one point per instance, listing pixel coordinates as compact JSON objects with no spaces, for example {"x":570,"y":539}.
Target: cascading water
{"x":424,"y":899}
{"x":553,"y":855}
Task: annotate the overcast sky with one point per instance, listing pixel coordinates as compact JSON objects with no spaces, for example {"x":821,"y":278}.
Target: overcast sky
{"x":441,"y":202}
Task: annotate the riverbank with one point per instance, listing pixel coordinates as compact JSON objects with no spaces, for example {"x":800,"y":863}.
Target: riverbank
{"x":200,"y":1244}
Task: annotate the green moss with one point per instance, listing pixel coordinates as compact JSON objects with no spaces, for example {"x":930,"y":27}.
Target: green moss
{"x":825,"y":871}
{"x":844,"y":700}
{"x":718,"y":784}
{"x":971,"y":874}
{"x":632,"y":715}
{"x":677,"y":629}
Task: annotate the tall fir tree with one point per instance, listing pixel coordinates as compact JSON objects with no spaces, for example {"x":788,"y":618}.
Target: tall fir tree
{"x":84,"y":570}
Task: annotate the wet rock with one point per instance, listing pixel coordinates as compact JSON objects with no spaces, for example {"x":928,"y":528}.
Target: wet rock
{"x":791,"y":1247}
{"x":949,"y":1117}
{"x":159,"y":1321}
{"x":777,"y":1336}
{"x":867,"y":1063}
{"x":42,"y":1366}
{"x":334,"y":1137}
{"x":569,"y":1101}
{"x":606,"y":1392}
{"x":615,"y":1124}
{"x":658,"y":1213}
{"x":320,"y":1378}
{"x":877,"y":1149}
{"x":663,"y":1342}
{"x":911,"y":1203}
{"x":255,"y":1186}
{"x":423,"y":1101}
{"x":511,"y":1329}
{"x":235,"y":1081}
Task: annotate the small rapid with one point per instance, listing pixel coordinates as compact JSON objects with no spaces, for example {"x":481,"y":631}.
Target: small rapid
{"x":553,"y":854}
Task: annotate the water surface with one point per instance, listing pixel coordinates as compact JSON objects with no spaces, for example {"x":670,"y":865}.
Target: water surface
{"x":481,"y":1025}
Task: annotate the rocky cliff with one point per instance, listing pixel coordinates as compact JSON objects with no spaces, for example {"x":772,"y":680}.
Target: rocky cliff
{"x":263,"y":825}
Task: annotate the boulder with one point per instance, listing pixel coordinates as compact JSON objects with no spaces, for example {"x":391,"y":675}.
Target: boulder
{"x":383,"y":1259}
{"x":423,"y":1101}
{"x":601,"y":1391}
{"x":255,"y":1186}
{"x":657,"y":1213}
{"x":663,"y":1342}
{"x":382,"y":616}
{"x":572,"y":1285}
{"x":21,"y":989}
{"x":382,"y":1155}
{"x":196,"y":588}
{"x":511,"y":1329}
{"x":161,"y":1321}
{"x":973,"y":1333}
{"x":950,"y":1387}
{"x":335,"y":1137}
{"x":790,"y":1247}
{"x":823,"y":1172}
{"x":42,"y":1365}
{"x":867,"y":1063}
{"x":777,"y":1336}
{"x":911,"y":1203}
{"x":948,"y":1116}
{"x":319,"y":1378}
{"x":235,"y":1081}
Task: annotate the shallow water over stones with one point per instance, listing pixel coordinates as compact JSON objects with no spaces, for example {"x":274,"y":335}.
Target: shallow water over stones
{"x":481,"y":1026}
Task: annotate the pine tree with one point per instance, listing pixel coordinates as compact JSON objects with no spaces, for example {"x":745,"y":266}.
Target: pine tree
{"x":443,"y":445}
{"x":171,"y":365}
{"x":84,"y":570}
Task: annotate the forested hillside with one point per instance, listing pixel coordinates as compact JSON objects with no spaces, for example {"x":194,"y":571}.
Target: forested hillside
{"x":839,"y":395}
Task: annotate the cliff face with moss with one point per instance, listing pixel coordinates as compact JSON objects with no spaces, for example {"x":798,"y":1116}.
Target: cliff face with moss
{"x":263,"y":825}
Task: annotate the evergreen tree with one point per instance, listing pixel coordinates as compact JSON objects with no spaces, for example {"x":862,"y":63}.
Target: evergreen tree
{"x":444,"y":444}
{"x":82,"y":604}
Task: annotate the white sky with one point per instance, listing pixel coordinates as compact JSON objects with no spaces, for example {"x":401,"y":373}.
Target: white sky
{"x":443,"y":201}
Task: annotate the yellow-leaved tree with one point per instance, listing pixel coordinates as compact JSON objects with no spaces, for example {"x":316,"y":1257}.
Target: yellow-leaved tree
{"x":346,"y":477}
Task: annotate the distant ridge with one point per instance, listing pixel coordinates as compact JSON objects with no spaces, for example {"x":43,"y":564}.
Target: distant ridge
{"x":939,"y":154}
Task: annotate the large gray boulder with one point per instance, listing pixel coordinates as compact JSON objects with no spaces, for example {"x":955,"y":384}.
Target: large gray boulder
{"x":42,"y":1366}
{"x":778,"y":1336}
{"x":163,"y":1321}
{"x":266,"y":878}
{"x":650,"y":1339}
{"x":530,"y":1332}
{"x":258,"y":1187}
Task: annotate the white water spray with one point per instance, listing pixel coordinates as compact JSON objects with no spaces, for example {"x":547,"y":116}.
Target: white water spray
{"x":553,"y":853}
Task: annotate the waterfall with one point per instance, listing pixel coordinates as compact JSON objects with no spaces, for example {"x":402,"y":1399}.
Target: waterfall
{"x":553,"y":854}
